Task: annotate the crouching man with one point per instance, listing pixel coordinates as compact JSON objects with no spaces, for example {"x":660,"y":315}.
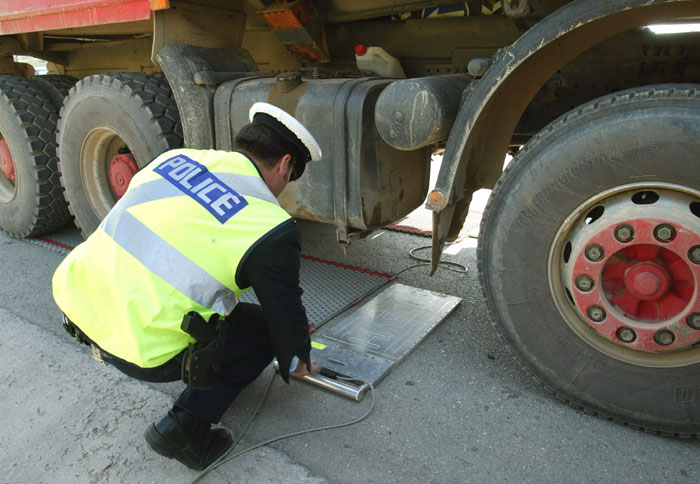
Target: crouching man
{"x":154,"y":290}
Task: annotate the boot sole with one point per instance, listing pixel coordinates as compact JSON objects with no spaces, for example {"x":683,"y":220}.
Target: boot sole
{"x":158,"y":443}
{"x":163,"y":447}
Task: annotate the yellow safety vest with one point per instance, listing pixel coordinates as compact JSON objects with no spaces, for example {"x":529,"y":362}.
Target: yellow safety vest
{"x":170,"y":245}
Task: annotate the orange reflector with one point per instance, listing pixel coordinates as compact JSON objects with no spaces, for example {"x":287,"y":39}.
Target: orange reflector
{"x":282,"y":20}
{"x":436,"y":201}
{"x":159,"y":4}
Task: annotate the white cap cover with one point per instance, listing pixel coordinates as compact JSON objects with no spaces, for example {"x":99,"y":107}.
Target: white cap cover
{"x":304,"y":138}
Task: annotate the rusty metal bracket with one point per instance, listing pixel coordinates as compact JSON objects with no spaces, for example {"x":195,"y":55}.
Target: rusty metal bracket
{"x":299,"y":27}
{"x":478,"y":143}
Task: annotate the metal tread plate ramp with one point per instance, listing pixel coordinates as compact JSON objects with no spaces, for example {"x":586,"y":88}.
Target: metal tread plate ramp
{"x":329,"y":286}
{"x":367,"y":341}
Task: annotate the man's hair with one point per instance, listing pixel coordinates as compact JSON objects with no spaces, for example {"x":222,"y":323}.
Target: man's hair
{"x":265,"y":144}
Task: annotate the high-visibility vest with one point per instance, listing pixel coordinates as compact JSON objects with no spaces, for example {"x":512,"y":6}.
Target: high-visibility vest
{"x":171,"y":244}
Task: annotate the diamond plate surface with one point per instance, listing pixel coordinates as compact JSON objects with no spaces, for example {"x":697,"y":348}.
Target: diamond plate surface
{"x":329,"y":287}
{"x":67,"y":238}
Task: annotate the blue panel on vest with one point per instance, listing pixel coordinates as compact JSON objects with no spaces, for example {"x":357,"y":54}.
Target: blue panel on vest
{"x":193,"y":179}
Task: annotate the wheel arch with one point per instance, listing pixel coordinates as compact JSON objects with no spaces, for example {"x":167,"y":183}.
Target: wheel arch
{"x":479,"y":139}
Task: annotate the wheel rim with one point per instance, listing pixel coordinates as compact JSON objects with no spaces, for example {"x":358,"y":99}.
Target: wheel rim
{"x":106,"y":169}
{"x":7,"y":173}
{"x":121,"y":170}
{"x":624,"y":271}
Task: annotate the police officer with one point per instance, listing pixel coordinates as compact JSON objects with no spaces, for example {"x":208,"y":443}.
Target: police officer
{"x":193,"y":232}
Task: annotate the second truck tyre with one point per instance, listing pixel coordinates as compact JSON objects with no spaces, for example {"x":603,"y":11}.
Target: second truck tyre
{"x":589,"y":257}
{"x":112,"y":124}
{"x":31,"y":197}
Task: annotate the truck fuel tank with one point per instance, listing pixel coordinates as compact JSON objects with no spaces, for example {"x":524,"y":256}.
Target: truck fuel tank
{"x":414,"y":113}
{"x":361,"y":183}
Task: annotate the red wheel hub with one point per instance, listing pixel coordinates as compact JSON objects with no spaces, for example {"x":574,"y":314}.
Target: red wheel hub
{"x":6,"y":165}
{"x":647,"y":283}
{"x":121,"y":170}
{"x":636,"y":287}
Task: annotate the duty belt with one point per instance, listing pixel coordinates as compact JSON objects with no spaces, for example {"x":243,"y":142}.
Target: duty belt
{"x":203,"y":359}
{"x":75,"y":332}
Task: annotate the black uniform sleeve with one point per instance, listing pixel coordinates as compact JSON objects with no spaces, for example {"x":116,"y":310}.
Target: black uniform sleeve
{"x":271,"y":268}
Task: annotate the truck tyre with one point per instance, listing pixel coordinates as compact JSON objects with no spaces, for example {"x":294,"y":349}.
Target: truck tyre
{"x":589,"y":257}
{"x":55,"y":86}
{"x":31,"y":197}
{"x":110,"y":125}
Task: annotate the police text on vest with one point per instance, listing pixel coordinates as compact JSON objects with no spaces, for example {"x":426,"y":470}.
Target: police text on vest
{"x":194,"y":180}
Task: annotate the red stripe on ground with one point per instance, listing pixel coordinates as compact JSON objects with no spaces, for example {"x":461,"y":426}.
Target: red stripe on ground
{"x":346,"y":266}
{"x":412,"y":229}
{"x":56,"y":243}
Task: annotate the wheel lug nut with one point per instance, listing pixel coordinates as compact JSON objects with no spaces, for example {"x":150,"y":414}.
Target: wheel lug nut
{"x":694,"y":254}
{"x":584,"y":283}
{"x":626,"y":334}
{"x":693,"y":320}
{"x":665,"y":233}
{"x":624,"y":233}
{"x":594,"y":253}
{"x":596,"y":313}
{"x":664,"y":337}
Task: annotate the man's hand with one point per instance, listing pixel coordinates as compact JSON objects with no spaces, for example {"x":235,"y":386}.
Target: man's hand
{"x":301,"y":369}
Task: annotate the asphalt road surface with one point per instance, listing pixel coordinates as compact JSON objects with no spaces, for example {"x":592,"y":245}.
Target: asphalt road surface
{"x":457,"y":410}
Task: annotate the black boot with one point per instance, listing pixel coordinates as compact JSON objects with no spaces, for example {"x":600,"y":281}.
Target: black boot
{"x":188,"y":439}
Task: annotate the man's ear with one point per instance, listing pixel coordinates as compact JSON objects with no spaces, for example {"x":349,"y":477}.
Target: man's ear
{"x":283,"y":164}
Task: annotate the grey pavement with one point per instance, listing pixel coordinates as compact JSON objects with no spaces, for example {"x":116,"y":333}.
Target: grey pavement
{"x":68,"y":419}
{"x":457,"y":410}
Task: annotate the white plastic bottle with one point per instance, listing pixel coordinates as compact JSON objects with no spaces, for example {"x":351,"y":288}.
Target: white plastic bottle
{"x":375,"y":61}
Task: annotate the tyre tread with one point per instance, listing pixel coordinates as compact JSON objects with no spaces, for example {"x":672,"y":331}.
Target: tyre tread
{"x":37,"y":117}
{"x":686,"y":91}
{"x":152,"y":91}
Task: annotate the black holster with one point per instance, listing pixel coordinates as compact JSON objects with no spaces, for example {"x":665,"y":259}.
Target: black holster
{"x":203,"y":359}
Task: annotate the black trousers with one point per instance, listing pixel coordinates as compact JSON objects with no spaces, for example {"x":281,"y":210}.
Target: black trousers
{"x":249,"y":352}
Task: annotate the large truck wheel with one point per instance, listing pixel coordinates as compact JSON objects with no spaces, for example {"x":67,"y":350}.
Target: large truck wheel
{"x":589,"y":257}
{"x":55,"y":86}
{"x":111,"y":125}
{"x":31,"y":197}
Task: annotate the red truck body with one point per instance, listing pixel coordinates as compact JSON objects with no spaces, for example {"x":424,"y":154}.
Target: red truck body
{"x":21,"y":16}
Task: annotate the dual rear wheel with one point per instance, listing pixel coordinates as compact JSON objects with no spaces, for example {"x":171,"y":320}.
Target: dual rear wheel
{"x":110,"y":126}
{"x":31,"y":197}
{"x":106,"y":128}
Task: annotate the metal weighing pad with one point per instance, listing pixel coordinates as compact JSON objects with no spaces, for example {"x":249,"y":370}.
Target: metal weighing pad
{"x":330,"y":287}
{"x":368,"y":341}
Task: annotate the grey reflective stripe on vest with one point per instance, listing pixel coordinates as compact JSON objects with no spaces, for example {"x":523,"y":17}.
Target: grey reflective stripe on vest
{"x":243,"y":184}
{"x":160,"y":257}
{"x":247,"y":185}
